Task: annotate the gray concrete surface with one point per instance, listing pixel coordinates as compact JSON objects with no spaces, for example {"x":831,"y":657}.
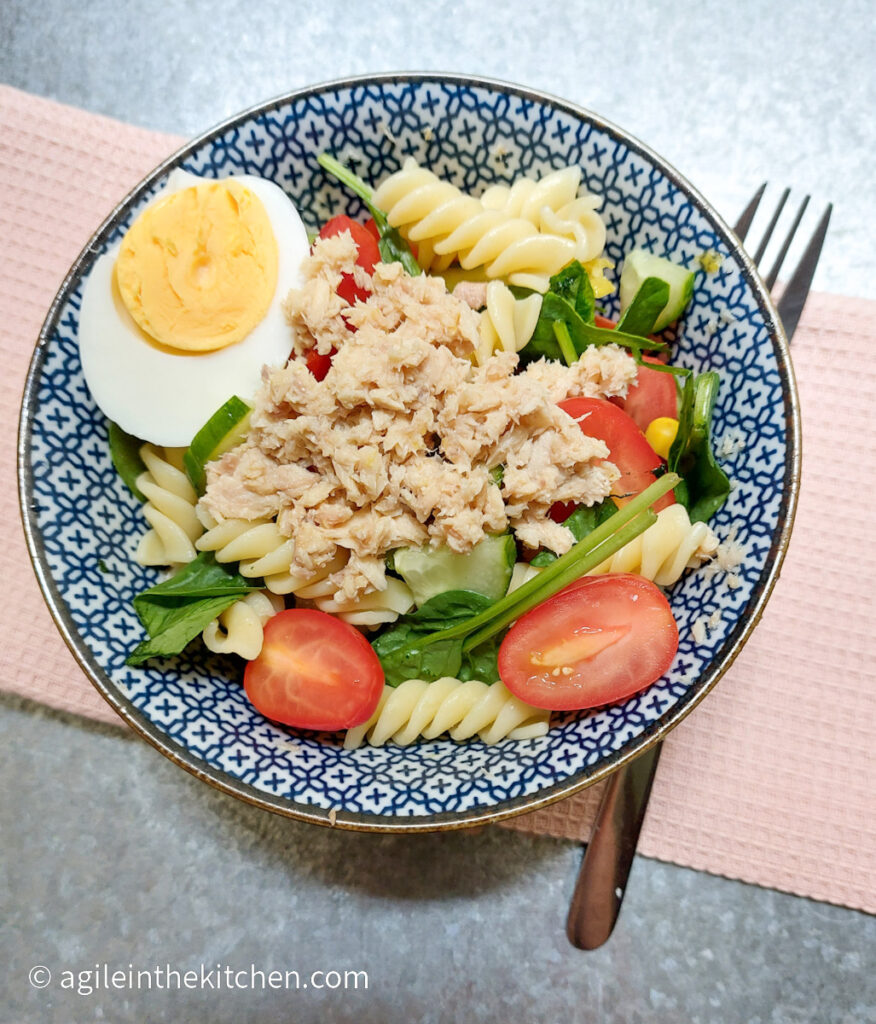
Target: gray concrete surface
{"x":109,"y":854}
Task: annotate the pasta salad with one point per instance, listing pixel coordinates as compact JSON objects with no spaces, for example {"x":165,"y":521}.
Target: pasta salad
{"x":423,"y":486}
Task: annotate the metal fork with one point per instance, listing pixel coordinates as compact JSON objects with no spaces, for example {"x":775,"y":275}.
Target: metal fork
{"x":608,"y":856}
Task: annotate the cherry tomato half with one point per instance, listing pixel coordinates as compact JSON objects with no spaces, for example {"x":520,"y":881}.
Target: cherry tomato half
{"x":314,"y":672}
{"x":371,"y":227}
{"x":627,"y":447}
{"x":369,"y":254}
{"x":595,"y":642}
{"x":653,"y":395}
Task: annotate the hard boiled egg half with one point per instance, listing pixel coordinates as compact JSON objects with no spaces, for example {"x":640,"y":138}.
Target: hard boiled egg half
{"x":186,"y":311}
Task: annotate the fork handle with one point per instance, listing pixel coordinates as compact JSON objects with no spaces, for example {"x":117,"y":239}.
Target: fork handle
{"x":608,"y":856}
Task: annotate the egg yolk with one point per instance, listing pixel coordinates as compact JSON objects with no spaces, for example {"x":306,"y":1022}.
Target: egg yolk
{"x":198,"y":269}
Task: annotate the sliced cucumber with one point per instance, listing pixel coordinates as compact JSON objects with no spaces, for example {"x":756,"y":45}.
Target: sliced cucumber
{"x":640,"y":265}
{"x":225,"y":429}
{"x":486,"y":569}
{"x":125,"y":453}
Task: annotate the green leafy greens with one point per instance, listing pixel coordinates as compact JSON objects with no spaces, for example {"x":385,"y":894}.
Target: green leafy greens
{"x":448,"y":609}
{"x":125,"y":453}
{"x":566,"y":325}
{"x":582,"y":522}
{"x":450,"y":635}
{"x":175,"y":611}
{"x":640,"y":317}
{"x":393,"y":247}
{"x":704,"y":485}
{"x":648,"y":302}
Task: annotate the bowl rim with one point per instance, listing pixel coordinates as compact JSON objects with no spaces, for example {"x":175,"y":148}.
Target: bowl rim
{"x":338,"y":817}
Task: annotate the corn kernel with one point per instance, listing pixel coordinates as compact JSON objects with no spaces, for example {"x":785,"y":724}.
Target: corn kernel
{"x":661,"y":433}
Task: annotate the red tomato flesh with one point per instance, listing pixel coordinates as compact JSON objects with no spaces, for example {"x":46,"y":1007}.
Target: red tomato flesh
{"x":314,"y":672}
{"x":627,"y":447}
{"x":561,"y":510}
{"x":369,"y":254}
{"x":372,"y":229}
{"x":596,"y":642}
{"x":319,"y":365}
{"x":653,"y":395}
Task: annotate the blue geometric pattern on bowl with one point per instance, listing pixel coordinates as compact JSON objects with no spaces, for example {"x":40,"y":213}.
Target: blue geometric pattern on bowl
{"x":86,"y":525}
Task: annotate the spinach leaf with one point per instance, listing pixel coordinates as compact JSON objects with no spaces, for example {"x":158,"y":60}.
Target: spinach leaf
{"x":175,"y":611}
{"x":544,"y":343}
{"x":573,"y":285}
{"x":648,"y":303}
{"x":204,"y":577}
{"x":564,"y":340}
{"x":393,"y":247}
{"x":608,"y":336}
{"x":482,"y":662}
{"x":543,"y":558}
{"x":448,"y":608}
{"x":175,"y":624}
{"x":568,"y":307}
{"x":581,"y":522}
{"x":414,"y":659}
{"x":125,"y":453}
{"x":640,"y":317}
{"x":398,"y":647}
{"x":704,"y":486}
{"x":676,"y":371}
{"x":685,"y":425}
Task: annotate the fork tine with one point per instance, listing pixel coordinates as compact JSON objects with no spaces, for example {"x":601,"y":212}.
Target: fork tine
{"x":794,"y":296}
{"x":770,"y":279}
{"x":764,"y":242}
{"x":744,"y":223}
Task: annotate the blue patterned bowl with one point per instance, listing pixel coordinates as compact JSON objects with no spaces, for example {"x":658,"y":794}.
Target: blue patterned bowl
{"x":82,"y":524}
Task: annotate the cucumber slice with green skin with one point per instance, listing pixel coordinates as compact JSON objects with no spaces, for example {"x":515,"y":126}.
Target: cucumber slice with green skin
{"x":640,"y":265}
{"x":125,"y":453}
{"x":224,"y":430}
{"x":486,"y":569}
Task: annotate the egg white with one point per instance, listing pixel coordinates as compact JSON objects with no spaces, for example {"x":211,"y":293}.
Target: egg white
{"x":165,"y":397}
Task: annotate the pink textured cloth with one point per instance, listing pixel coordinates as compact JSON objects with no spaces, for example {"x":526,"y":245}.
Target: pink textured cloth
{"x":770,"y":781}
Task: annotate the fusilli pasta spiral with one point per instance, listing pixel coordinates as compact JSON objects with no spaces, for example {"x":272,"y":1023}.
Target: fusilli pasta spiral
{"x":528,"y":197}
{"x":522,"y":573}
{"x":374,"y":609}
{"x":169,"y":509}
{"x":523,"y":233}
{"x":416,"y":708}
{"x":263,"y":551}
{"x":240,"y":628}
{"x":665,"y":549}
{"x":660,"y":554}
{"x":506,"y":323}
